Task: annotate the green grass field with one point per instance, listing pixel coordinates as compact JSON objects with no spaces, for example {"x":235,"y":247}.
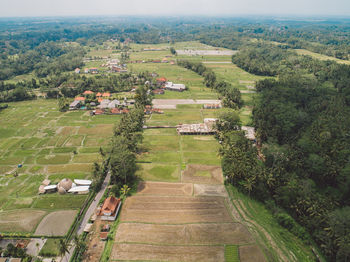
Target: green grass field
{"x":49,"y":144}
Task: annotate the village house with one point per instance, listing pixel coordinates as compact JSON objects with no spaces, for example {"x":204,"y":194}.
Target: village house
{"x":75,"y":105}
{"x":77,"y":70}
{"x":113,"y":104}
{"x":175,"y":87}
{"x":104,"y":104}
{"x":88,"y":92}
{"x":86,"y":70}
{"x":158,"y":91}
{"x":110,"y":208}
{"x":93,"y":70}
{"x":98,"y":94}
{"x":212,"y":106}
{"x":106,"y":94}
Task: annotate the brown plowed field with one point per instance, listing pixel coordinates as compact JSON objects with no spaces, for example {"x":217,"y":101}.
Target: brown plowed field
{"x":168,"y":189}
{"x":188,"y":234}
{"x":251,"y":253}
{"x":141,"y":252}
{"x":175,"y":210}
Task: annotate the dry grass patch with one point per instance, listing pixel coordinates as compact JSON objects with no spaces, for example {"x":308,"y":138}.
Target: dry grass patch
{"x":96,"y":130}
{"x":20,"y":221}
{"x":152,"y":209}
{"x":188,"y":234}
{"x":161,"y":188}
{"x":251,"y":253}
{"x":202,"y":174}
{"x":210,"y":190}
{"x":56,"y":223}
{"x":142,"y":252}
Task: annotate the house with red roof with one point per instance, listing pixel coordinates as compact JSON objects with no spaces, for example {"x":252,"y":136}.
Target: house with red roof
{"x":110,"y":208}
{"x":79,"y":98}
{"x":106,"y":94}
{"x":98,"y":94}
{"x":88,"y":92}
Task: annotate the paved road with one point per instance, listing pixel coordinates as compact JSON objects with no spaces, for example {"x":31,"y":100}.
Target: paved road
{"x":87,"y":216}
{"x":171,"y":103}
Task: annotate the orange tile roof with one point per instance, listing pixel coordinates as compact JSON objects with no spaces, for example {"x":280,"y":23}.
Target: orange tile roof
{"x":98,"y":94}
{"x":100,"y":100}
{"x":79,"y":98}
{"x":106,"y":94}
{"x":88,"y":92}
{"x":110,"y":205}
{"x":161,"y":79}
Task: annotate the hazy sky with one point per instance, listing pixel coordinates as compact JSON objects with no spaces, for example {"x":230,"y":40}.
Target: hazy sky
{"x":173,"y":7}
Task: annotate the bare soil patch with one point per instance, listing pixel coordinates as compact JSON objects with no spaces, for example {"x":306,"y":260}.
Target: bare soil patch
{"x":251,"y":253}
{"x":23,"y":221}
{"x":188,"y":234}
{"x":168,"y":253}
{"x":210,"y":190}
{"x":169,"y":189}
{"x":192,"y":174}
{"x":151,"y":209}
{"x":56,"y":223}
{"x":246,"y":82}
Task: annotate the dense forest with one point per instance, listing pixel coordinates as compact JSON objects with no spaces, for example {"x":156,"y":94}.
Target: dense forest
{"x":302,"y":120}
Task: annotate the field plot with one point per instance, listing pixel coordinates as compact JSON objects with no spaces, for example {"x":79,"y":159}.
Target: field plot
{"x":56,"y":223}
{"x":202,"y":174}
{"x":187,"y":234}
{"x":166,"y":222}
{"x":49,"y":144}
{"x":142,"y":252}
{"x":168,"y":209}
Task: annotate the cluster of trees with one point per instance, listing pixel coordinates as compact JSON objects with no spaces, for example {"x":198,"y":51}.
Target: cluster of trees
{"x":231,"y":96}
{"x":120,"y":158}
{"x":45,"y":59}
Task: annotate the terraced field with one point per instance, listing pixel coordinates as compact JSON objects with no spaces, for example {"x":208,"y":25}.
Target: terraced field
{"x":49,"y":144}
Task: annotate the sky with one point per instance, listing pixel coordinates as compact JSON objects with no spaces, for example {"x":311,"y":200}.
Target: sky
{"x":19,"y":8}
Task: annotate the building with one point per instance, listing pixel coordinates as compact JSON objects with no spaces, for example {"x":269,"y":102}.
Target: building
{"x":110,"y":208}
{"x":212,"y":106}
{"x":106,"y":94}
{"x":206,"y":128}
{"x":88,"y":92}
{"x":175,"y":87}
{"x":80,"y":190}
{"x":93,"y":70}
{"x":113,"y":104}
{"x":104,"y":104}
{"x":77,"y":70}
{"x":98,"y":94}
{"x":75,"y":105}
{"x":86,"y":70}
{"x":50,"y":188}
{"x":82,"y":182}
{"x":249,"y":132}
{"x":80,"y":98}
{"x":158,"y":91}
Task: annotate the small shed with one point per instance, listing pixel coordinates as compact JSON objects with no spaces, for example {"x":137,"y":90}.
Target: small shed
{"x":50,"y":188}
{"x":88,"y":227}
{"x":103,"y":236}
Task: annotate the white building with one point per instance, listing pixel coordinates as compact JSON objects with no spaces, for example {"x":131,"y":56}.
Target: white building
{"x":175,"y":87}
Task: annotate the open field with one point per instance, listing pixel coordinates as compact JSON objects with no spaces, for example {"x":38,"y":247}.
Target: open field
{"x":186,"y":234}
{"x":170,"y":222}
{"x":56,"y":223}
{"x":321,"y":57}
{"x":151,"y":209}
{"x":49,"y":144}
{"x":143,"y":252}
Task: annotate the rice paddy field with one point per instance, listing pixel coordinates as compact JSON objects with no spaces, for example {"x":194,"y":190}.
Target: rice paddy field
{"x":48,"y":144}
{"x":182,"y":211}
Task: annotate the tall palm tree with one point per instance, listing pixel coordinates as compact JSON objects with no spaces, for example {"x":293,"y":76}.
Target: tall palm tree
{"x":63,"y":248}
